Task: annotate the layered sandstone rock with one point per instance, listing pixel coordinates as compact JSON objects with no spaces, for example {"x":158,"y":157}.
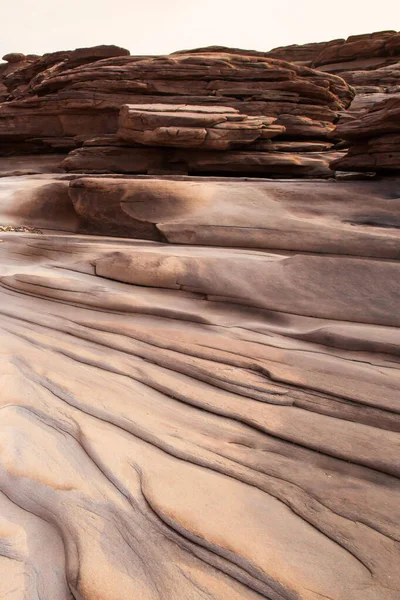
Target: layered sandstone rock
{"x":355,"y":59}
{"x":368,"y":62}
{"x":58,"y":101}
{"x":210,"y":415}
{"x":216,"y":139}
{"x":279,"y":161}
{"x":199,"y":374}
{"x":22,"y":71}
{"x":326,"y":217}
{"x":190,"y":126}
{"x":374,"y":138}
{"x":31,"y":125}
{"x":385,"y":79}
{"x":360,"y":52}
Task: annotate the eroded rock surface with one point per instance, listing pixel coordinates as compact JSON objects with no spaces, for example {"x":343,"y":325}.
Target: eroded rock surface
{"x":365,"y":60}
{"x":210,"y":415}
{"x":374,"y":139}
{"x":200,"y":375}
{"x":121,"y":159}
{"x":191,"y":126}
{"x":357,"y":59}
{"x":60,"y":100}
{"x":356,"y":218}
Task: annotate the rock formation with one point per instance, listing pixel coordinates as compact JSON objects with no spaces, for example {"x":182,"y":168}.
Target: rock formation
{"x":59,"y":101}
{"x":217,"y":140}
{"x":355,"y":59}
{"x":370,"y":63}
{"x":365,"y":60}
{"x":199,"y":373}
{"x":374,"y":139}
{"x":191,"y":126}
{"x":182,"y":419}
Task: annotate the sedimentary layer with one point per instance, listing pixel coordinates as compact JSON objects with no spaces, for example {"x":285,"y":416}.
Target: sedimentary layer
{"x":374,"y":139}
{"x":192,"y":421}
{"x":200,"y":371}
{"x":59,"y":100}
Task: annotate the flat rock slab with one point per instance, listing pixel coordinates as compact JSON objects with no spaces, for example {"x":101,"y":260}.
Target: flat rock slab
{"x":359,"y":218}
{"x":177,"y":126}
{"x":256,"y":162}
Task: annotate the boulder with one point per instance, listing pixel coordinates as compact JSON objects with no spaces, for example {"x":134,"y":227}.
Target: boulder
{"x":14,"y":57}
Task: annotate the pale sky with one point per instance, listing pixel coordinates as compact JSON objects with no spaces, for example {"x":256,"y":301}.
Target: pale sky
{"x":163,"y":26}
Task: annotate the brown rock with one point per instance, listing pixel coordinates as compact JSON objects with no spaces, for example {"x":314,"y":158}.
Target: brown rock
{"x":364,"y":61}
{"x":371,"y":50}
{"x":85,"y":89}
{"x":211,"y":416}
{"x":354,"y":218}
{"x":374,"y":137}
{"x":190,"y":126}
{"x":14,"y":57}
{"x":99,"y":211}
{"x":384,"y":78}
{"x":114,"y":159}
{"x":379,"y":44}
{"x":379,"y":153}
{"x":119,"y":159}
{"x":306,"y":128}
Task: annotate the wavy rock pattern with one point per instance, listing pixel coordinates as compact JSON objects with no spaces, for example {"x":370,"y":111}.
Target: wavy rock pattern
{"x":200,"y":422}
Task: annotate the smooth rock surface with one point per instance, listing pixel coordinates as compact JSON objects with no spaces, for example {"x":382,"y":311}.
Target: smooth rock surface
{"x":356,"y":218}
{"x":185,"y":421}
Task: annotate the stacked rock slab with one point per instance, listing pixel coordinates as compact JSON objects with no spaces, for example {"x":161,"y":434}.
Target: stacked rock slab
{"x":354,"y":59}
{"x":20,"y":70}
{"x":151,"y":161}
{"x":370,"y":63}
{"x":60,"y":101}
{"x":374,"y":139}
{"x":30,"y":124}
{"x":183,"y":126}
{"x":189,"y":139}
